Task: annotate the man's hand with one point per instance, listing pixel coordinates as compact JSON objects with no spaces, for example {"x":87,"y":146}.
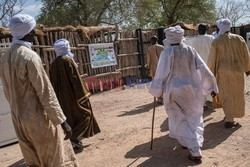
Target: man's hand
{"x":247,"y":73}
{"x":213,"y":94}
{"x":67,"y":130}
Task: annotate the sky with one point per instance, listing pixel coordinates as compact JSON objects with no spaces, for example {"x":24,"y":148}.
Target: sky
{"x":32,"y":7}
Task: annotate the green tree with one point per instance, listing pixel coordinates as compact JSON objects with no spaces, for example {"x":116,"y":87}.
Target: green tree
{"x":188,"y":11}
{"x":87,"y":12}
{"x":129,"y":14}
{"x":73,"y":12}
{"x":159,"y":13}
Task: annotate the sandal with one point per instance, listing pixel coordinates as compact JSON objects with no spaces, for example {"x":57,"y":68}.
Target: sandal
{"x":184,"y":147}
{"x":160,"y":100}
{"x":231,"y":124}
{"x":195,"y":159}
{"x":77,"y":143}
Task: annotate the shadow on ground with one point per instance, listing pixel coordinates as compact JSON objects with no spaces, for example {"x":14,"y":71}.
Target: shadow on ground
{"x":215,"y":134}
{"x":19,"y":163}
{"x":167,"y":151}
{"x":140,"y":109}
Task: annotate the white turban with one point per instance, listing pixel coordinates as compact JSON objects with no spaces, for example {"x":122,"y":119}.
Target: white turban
{"x":224,"y":25}
{"x":62,"y":48}
{"x":21,"y":24}
{"x":174,"y":35}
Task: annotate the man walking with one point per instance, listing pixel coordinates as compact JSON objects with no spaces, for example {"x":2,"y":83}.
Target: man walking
{"x":229,"y":60}
{"x":202,"y":44}
{"x":183,"y":78}
{"x":36,"y":114}
{"x":153,"y":55}
{"x":72,"y":94}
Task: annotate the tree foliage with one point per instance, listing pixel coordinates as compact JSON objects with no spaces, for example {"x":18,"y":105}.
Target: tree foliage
{"x":127,"y":13}
{"x":73,"y":12}
{"x":189,"y":11}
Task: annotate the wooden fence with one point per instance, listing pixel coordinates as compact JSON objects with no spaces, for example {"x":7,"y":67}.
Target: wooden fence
{"x":130,"y":48}
{"x":125,"y":44}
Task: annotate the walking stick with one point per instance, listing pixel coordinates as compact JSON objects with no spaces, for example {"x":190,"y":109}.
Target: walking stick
{"x":152,"y":130}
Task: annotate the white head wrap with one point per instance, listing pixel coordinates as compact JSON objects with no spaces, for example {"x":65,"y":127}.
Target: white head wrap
{"x":224,"y":25}
{"x":174,"y":35}
{"x":62,"y":48}
{"x":21,"y":24}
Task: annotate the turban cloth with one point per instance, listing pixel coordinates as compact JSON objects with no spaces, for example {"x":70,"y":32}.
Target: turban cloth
{"x":174,"y":35}
{"x":21,"y":24}
{"x":62,"y":48}
{"x":224,"y":25}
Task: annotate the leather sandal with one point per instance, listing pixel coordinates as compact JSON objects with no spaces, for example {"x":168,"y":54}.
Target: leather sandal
{"x":197,"y":160}
{"x":184,"y":147}
{"x":231,"y":124}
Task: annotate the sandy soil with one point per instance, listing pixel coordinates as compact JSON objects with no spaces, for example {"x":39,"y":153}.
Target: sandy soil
{"x":125,"y":119}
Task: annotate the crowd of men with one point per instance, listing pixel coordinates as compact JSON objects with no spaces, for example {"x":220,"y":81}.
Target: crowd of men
{"x":46,"y":112}
{"x":187,"y":76}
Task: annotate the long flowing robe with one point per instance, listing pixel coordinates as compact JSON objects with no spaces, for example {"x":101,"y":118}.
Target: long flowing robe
{"x":35,"y":110}
{"x":153,"y":54}
{"x":184,"y":79}
{"x":202,"y":44}
{"x":73,"y":97}
{"x":228,"y":60}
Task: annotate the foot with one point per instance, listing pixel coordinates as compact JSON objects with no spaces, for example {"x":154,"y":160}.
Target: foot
{"x":160,"y":100}
{"x":205,"y":108}
{"x":77,"y":143}
{"x":195,"y":159}
{"x":184,"y":147}
{"x":231,"y":124}
{"x":209,"y":103}
{"x":77,"y":150}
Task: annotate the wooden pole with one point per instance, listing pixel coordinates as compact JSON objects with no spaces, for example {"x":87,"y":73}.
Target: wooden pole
{"x":152,"y":130}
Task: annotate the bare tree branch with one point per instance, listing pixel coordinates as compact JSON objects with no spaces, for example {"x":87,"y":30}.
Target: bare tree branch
{"x":9,"y":8}
{"x":233,"y":10}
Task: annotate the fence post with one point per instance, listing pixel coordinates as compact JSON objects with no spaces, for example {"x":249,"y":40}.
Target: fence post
{"x":141,"y":53}
{"x":233,"y":30}
{"x":242,"y":32}
{"x":160,"y":35}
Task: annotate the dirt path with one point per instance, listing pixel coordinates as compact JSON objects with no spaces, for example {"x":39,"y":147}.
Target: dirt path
{"x":125,"y":120}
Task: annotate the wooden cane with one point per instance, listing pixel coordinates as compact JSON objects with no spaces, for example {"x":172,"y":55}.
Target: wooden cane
{"x":152,"y":130}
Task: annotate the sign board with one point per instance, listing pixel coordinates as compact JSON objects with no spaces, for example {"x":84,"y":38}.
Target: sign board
{"x":102,"y":55}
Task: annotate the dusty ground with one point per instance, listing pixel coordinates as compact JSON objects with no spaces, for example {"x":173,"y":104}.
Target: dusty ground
{"x":125,"y":120}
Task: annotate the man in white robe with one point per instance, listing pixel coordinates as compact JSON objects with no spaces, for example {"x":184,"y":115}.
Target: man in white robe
{"x":165,"y":43}
{"x":202,"y":44}
{"x":36,"y":114}
{"x":183,"y":78}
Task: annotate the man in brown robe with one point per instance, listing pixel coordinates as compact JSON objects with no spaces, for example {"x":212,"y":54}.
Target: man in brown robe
{"x":72,"y":94}
{"x":36,"y":114}
{"x":153,"y":55}
{"x":229,"y":60}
